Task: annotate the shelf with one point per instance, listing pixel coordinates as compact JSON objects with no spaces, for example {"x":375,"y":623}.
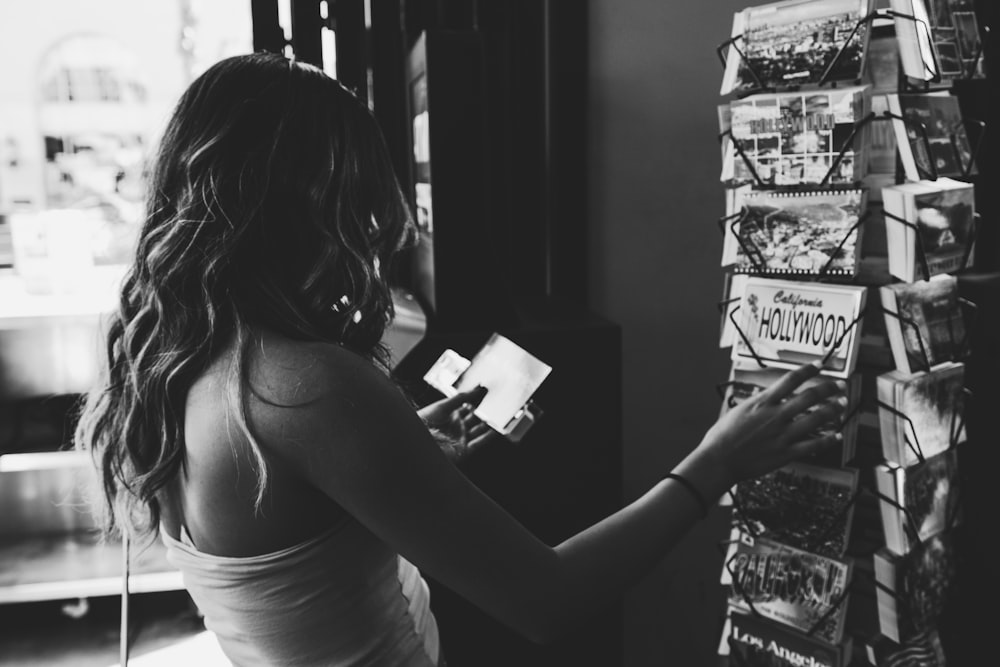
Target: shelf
{"x":76,"y":565}
{"x":84,"y":298}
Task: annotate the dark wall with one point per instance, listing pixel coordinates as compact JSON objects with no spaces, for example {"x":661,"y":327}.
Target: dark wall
{"x":561,"y":478}
{"x":653,"y":195}
{"x":971,"y":634}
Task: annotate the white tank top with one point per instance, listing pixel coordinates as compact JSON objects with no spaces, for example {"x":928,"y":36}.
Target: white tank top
{"x":342,"y":598}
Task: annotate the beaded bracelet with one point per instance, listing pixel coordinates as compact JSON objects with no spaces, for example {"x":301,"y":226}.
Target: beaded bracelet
{"x":695,"y":493}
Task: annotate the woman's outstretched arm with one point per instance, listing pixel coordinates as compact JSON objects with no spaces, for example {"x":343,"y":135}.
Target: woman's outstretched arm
{"x":358,"y":440}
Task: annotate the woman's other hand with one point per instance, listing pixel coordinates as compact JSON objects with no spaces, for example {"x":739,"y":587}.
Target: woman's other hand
{"x":455,"y":426}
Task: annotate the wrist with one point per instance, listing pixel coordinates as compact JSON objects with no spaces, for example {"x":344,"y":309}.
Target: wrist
{"x":692,"y":490}
{"x":706,"y":473}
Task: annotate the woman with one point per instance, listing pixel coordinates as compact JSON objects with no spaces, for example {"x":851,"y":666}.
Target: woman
{"x":249,"y":418}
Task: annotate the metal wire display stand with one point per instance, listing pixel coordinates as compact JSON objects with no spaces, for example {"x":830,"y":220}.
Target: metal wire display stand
{"x":754,"y":262}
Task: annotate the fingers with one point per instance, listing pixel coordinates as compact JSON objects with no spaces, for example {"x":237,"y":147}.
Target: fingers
{"x":807,"y":398}
{"x":471,"y":397}
{"x":814,"y":445}
{"x":488,"y":436}
{"x":789,"y":382}
{"x":476,"y":434}
{"x":477,"y":428}
{"x":827,"y":412}
{"x":454,"y":429}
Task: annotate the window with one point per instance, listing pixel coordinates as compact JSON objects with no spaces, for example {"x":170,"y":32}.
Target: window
{"x":94,"y":85}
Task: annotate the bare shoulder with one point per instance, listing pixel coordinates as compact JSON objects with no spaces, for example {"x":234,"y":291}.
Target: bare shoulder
{"x":336,"y":421}
{"x":298,"y":374}
{"x":305,"y":399}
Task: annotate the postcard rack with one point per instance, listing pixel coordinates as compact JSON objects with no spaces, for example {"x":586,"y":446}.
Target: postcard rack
{"x":939,"y":148}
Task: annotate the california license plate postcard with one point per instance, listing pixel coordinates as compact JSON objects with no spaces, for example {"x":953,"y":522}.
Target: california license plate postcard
{"x":785,"y":323}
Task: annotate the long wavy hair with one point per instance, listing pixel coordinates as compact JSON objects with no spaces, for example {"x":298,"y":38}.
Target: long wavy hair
{"x":271,"y":201}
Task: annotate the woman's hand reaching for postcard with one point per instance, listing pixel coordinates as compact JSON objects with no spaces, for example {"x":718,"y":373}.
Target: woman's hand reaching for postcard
{"x":777,"y":425}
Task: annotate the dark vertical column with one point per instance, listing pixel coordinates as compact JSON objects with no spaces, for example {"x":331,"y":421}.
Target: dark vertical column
{"x":514,"y":40}
{"x":389,"y":49}
{"x":418,"y":16}
{"x":422,"y":15}
{"x":979,"y":458}
{"x":980,"y":99}
{"x":535,"y":68}
{"x":267,"y":34}
{"x":306,"y":32}
{"x":388,"y":62}
{"x":565,"y":147}
{"x":352,"y":52}
{"x":457,"y":14}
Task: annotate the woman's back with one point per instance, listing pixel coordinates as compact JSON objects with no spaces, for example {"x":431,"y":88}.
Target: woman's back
{"x":341,"y":598}
{"x":300,"y":582}
{"x":214,"y":496}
